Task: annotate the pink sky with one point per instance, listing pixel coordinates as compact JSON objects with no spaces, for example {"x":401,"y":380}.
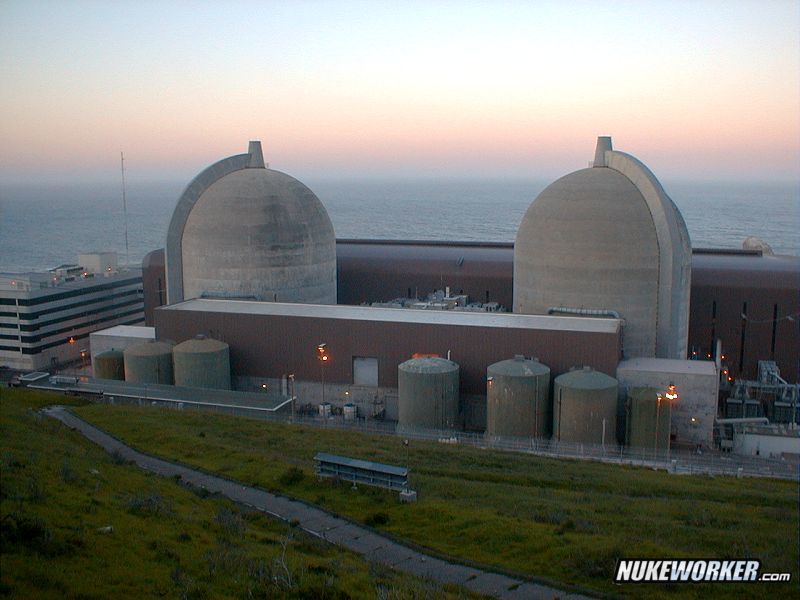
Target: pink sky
{"x":385,"y":89}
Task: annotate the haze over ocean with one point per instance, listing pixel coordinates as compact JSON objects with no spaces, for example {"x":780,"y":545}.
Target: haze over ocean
{"x":42,"y":226}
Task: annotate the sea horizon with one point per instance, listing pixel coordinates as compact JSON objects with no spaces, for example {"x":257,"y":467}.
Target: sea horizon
{"x":45,"y":224}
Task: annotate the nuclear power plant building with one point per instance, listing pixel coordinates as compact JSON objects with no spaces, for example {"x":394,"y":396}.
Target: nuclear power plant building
{"x":601,"y":272}
{"x":242,"y":230}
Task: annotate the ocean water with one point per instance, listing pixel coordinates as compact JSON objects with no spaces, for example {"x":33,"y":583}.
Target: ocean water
{"x":42,"y":226}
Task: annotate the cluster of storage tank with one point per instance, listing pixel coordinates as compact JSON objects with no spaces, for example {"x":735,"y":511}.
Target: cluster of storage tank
{"x":584,"y":406}
{"x":201,"y":362}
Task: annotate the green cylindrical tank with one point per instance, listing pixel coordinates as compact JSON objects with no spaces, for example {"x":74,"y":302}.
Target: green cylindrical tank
{"x":109,"y":365}
{"x":204,"y":363}
{"x":649,"y":419}
{"x":149,"y":362}
{"x":517,"y":398}
{"x":428,"y":393}
{"x":585,"y":407}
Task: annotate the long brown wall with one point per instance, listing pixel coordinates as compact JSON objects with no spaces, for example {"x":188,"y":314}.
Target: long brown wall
{"x":271,"y":346}
{"x":767,"y":291}
{"x":381,"y":270}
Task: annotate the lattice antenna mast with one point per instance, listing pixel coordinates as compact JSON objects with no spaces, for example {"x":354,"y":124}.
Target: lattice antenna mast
{"x":124,"y":206}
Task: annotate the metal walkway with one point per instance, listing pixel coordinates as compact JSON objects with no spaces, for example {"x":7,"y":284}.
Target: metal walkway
{"x":371,"y":545}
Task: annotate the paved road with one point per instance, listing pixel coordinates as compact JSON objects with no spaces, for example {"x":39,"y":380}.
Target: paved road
{"x":372,"y":546}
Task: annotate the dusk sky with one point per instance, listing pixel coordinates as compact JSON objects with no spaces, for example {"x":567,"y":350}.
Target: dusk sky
{"x":697,"y":90}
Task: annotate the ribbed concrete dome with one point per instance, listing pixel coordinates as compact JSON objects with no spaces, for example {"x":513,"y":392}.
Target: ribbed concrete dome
{"x":241,"y":230}
{"x":588,"y":241}
{"x":608,"y":238}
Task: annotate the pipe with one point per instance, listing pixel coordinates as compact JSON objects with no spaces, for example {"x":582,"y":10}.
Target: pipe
{"x":584,"y":312}
{"x":763,"y":420}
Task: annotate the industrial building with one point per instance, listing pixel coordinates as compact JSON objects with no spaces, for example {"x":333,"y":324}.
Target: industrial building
{"x":46,"y":318}
{"x":601,"y":275}
{"x":242,"y":230}
{"x":608,"y":240}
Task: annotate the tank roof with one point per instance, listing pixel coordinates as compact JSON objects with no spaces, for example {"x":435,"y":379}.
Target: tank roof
{"x":516,"y":367}
{"x":150,"y":348}
{"x":201,"y":345}
{"x":429,"y":364}
{"x":587,"y":379}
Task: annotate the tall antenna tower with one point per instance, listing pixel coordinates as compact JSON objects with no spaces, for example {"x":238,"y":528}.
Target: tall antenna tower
{"x":124,"y":206}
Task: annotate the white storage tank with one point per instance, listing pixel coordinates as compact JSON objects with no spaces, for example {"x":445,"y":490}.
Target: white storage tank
{"x":518,"y":398}
{"x":148,"y":362}
{"x":203,"y":362}
{"x":585,"y":407}
{"x":428,"y":392}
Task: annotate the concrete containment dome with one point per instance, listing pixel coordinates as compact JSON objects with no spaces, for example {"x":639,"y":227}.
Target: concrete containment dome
{"x":517,"y":398}
{"x":608,"y":240}
{"x":585,"y":407}
{"x":241,"y":230}
{"x":428,"y":392}
{"x":149,"y":362}
{"x":203,"y":363}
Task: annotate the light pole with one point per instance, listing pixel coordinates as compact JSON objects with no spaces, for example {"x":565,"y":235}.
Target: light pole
{"x":291,"y":393}
{"x":659,"y":397}
{"x":322,"y":355}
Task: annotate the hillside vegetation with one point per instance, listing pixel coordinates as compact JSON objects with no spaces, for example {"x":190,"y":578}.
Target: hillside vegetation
{"x":78,"y":523}
{"x":562,"y":520}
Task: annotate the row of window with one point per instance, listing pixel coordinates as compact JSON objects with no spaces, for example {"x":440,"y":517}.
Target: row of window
{"x":37,"y":326}
{"x":32,"y":316}
{"x":70,"y":294}
{"x":65,"y":340}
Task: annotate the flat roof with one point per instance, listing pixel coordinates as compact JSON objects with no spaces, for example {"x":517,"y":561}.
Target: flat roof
{"x":399,"y":315}
{"x":129,"y":331}
{"x":669,"y":365}
{"x":189,"y":396}
{"x":358,"y":463}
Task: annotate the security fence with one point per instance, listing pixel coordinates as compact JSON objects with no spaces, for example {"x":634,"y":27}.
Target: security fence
{"x":674,"y":461}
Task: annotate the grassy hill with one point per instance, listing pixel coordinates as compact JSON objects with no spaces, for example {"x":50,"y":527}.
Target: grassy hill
{"x":562,"y":520}
{"x":75,"y":523}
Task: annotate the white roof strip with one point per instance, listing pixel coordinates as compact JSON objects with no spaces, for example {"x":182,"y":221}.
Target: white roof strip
{"x":400,"y":315}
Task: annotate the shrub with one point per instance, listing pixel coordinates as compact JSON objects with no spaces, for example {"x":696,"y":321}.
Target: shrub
{"x":230,"y":522}
{"x":117,"y":458}
{"x":147,"y":504}
{"x":377,"y":518}
{"x":291,"y":476}
{"x":67,"y":473}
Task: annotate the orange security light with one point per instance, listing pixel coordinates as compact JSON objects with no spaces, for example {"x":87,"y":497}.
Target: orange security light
{"x":672,"y":392}
{"x":322,"y":352}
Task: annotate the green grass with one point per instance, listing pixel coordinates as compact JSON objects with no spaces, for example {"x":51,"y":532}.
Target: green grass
{"x":563,"y":520}
{"x":78,"y":523}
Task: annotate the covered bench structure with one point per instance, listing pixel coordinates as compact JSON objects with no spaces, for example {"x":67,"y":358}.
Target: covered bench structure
{"x":362,"y":471}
